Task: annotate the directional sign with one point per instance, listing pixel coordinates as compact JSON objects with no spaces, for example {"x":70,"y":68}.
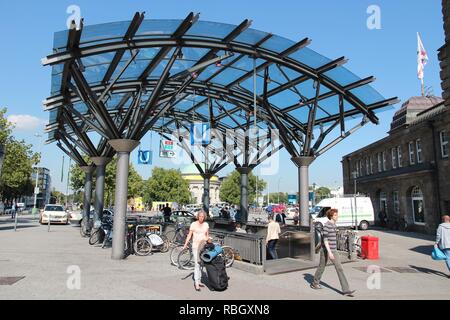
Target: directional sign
{"x":166,"y":149}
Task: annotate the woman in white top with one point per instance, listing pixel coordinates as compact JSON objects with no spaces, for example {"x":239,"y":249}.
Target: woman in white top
{"x":198,"y":231}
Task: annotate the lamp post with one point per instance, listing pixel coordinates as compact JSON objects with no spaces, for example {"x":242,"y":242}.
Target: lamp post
{"x":355,"y":175}
{"x":279,"y":179}
{"x":37,"y":174}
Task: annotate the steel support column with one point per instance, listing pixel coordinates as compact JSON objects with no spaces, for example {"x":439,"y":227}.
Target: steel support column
{"x":303,"y":164}
{"x":206,"y":189}
{"x":244,"y":171}
{"x":88,"y":170}
{"x":100,"y":163}
{"x":123,"y":147}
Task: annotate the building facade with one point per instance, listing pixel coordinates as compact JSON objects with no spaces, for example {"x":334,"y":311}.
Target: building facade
{"x":444,"y":54}
{"x":407,"y":173}
{"x":44,"y":185}
{"x":195,"y":180}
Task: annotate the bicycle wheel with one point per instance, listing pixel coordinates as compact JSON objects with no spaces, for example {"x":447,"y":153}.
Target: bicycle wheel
{"x":143,"y":246}
{"x":228,"y":255}
{"x":165,"y":246}
{"x":185,"y":259}
{"x":174,"y":254}
{"x":96,"y":237}
{"x":170,"y":235}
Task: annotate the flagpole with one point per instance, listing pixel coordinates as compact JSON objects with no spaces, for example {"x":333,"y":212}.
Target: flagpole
{"x":423,"y":87}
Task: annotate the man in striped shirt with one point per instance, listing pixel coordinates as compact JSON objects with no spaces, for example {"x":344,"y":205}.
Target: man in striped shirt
{"x":329,"y":250}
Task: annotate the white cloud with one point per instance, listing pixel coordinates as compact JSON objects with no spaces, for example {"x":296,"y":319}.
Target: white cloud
{"x":26,"y":122}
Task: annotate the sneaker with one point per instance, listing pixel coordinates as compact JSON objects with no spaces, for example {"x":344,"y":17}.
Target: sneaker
{"x":349,"y":293}
{"x":315,"y":286}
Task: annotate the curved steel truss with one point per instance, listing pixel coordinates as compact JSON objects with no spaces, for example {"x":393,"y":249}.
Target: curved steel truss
{"x":122,"y":80}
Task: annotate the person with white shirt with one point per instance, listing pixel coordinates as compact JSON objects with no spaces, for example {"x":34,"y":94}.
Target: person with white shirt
{"x":273,"y":234}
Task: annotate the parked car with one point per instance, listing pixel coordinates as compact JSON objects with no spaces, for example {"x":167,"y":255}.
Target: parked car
{"x":291,"y":212}
{"x":77,"y":217}
{"x":182,"y":216}
{"x":55,"y":213}
{"x":363,"y":215}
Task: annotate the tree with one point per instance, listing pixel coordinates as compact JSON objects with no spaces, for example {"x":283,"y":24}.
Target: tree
{"x":135,"y":181}
{"x":15,"y":179}
{"x":230,"y":190}
{"x":278,"y":197}
{"x":166,"y":185}
{"x":57,"y":197}
{"x":321,"y":193}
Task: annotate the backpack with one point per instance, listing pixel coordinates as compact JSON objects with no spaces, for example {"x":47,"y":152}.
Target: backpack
{"x":318,"y":238}
{"x":217,"y":274}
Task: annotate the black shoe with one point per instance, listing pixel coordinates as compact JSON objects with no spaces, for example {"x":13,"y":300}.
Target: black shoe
{"x":196,"y":289}
{"x":315,"y":286}
{"x":349,"y":293}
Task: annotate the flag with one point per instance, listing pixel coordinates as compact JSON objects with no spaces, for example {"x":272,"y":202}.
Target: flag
{"x":422,"y":57}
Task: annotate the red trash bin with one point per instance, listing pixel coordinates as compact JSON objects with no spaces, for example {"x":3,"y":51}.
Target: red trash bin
{"x":369,"y":247}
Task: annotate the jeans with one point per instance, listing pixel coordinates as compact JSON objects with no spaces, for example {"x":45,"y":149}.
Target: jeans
{"x":197,"y":270}
{"x":447,"y":253}
{"x":337,"y":265}
{"x":271,"y":248}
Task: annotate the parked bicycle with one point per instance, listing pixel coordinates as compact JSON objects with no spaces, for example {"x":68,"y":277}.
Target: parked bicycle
{"x":86,"y":226}
{"x":177,"y":236}
{"x":149,"y":238}
{"x":99,"y":234}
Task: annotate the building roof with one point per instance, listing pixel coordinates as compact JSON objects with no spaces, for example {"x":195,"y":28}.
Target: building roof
{"x":411,"y":108}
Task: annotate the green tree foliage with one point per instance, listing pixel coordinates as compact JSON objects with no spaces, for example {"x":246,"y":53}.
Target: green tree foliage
{"x":230,"y":190}
{"x":321,"y":193}
{"x":15,"y":178}
{"x":57,"y":197}
{"x":278,"y":197}
{"x":135,"y":181}
{"x":166,"y":185}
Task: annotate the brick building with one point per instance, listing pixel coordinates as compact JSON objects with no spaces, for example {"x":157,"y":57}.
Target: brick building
{"x":444,"y":54}
{"x":407,"y":173}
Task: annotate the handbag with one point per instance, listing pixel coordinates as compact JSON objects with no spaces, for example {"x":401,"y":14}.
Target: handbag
{"x":437,"y":254}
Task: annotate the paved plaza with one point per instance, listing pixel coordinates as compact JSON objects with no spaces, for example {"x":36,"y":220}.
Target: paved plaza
{"x":41,"y":261}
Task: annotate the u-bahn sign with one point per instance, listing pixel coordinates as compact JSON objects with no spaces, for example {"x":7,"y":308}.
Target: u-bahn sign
{"x":166,"y":149}
{"x":200,"y":133}
{"x":145,"y":157}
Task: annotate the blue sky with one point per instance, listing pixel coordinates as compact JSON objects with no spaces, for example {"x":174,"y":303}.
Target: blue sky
{"x":337,"y":28}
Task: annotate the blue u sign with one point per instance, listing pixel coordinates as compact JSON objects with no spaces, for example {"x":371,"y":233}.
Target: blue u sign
{"x":144,"y":157}
{"x":200,"y":133}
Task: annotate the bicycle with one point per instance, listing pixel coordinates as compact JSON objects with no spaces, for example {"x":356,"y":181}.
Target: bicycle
{"x":185,"y":256}
{"x":99,"y":234}
{"x":145,"y":245}
{"x":86,"y":226}
{"x":177,"y":236}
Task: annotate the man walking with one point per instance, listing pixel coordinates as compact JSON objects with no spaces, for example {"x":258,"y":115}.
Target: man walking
{"x":443,"y":239}
{"x":13,"y":210}
{"x":329,"y":250}
{"x":167,"y":212}
{"x":273,"y":231}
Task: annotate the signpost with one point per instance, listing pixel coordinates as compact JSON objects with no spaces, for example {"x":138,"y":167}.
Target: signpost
{"x":166,"y":149}
{"x":200,"y":133}
{"x":145,"y":157}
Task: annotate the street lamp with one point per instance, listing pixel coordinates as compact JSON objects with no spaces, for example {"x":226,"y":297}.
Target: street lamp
{"x":279,"y":179}
{"x":37,"y":173}
{"x":355,"y":175}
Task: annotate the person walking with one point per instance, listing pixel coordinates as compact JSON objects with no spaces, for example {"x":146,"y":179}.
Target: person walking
{"x":199,"y":232}
{"x":273,"y":234}
{"x":329,"y":251}
{"x":443,"y":239}
{"x":13,"y":210}
{"x":167,"y":213}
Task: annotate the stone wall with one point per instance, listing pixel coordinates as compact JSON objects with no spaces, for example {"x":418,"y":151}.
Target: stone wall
{"x":444,"y":54}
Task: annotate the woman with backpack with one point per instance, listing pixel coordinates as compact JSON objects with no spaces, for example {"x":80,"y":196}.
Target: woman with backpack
{"x":329,"y":251}
{"x":199,"y":232}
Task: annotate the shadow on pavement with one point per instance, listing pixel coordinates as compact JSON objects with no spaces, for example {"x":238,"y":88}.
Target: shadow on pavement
{"x":429,"y":271}
{"x":310,"y":278}
{"x":18,"y":227}
{"x":426,"y":250}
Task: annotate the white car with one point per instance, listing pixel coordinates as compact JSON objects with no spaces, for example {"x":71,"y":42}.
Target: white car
{"x":291,"y":212}
{"x":55,"y":213}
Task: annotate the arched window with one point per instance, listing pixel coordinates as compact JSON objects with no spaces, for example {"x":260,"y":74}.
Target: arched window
{"x":383,"y":202}
{"x":417,"y":205}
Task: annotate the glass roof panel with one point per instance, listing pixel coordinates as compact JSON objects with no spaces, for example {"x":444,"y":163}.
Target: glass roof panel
{"x":300,"y":114}
{"x":154,"y":27}
{"x":342,"y":75}
{"x":227,"y":76}
{"x":277,"y":44}
{"x":210,"y":29}
{"x":250,"y":36}
{"x":310,"y":58}
{"x":367,"y":94}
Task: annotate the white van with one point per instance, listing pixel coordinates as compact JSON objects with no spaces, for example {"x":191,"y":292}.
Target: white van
{"x":364,"y":213}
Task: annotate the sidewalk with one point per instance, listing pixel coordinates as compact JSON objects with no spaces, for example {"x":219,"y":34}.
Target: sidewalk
{"x":43,"y":259}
